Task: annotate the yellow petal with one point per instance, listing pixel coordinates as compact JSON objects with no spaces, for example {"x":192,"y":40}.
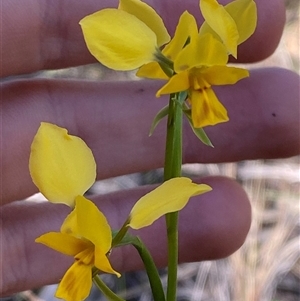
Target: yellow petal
{"x":152,"y":70}
{"x":63,"y":243}
{"x":186,"y":28}
{"x":61,"y":166}
{"x":205,"y":50}
{"x":178,"y":82}
{"x":91,"y":224}
{"x":171,"y":196}
{"x":103,"y":264}
{"x":206,"y":108}
{"x":244,"y":13}
{"x":223,"y":75}
{"x":76,"y":283}
{"x":149,"y":16}
{"x":221,"y":22}
{"x":70,"y":225}
{"x":87,"y":255}
{"x":119,"y":40}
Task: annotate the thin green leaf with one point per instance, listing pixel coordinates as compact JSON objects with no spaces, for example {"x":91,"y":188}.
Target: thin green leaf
{"x":199,"y":132}
{"x":159,"y":116}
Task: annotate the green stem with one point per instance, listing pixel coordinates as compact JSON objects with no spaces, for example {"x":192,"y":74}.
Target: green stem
{"x":173,"y":152}
{"x":122,"y":238}
{"x":173,"y":162}
{"x":154,"y":278}
{"x":120,"y":235}
{"x":109,"y":294}
{"x":161,"y":58}
{"x":172,"y":232}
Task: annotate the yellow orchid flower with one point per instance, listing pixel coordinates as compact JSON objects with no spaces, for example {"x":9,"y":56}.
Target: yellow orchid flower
{"x":61,"y":165}
{"x":170,"y":196}
{"x":85,"y":235}
{"x":233,"y":23}
{"x":201,"y":64}
{"x":127,"y":37}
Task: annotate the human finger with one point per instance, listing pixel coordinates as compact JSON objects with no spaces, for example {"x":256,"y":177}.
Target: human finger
{"x":43,"y":34}
{"x":212,"y":226}
{"x":114,"y":120}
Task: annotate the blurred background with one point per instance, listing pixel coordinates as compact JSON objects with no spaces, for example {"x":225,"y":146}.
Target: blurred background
{"x":267,"y":266}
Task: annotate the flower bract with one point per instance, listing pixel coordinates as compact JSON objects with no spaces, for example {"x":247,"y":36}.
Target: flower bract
{"x":85,"y":235}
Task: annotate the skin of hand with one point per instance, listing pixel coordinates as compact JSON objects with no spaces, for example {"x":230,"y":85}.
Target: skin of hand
{"x":114,"y":119}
